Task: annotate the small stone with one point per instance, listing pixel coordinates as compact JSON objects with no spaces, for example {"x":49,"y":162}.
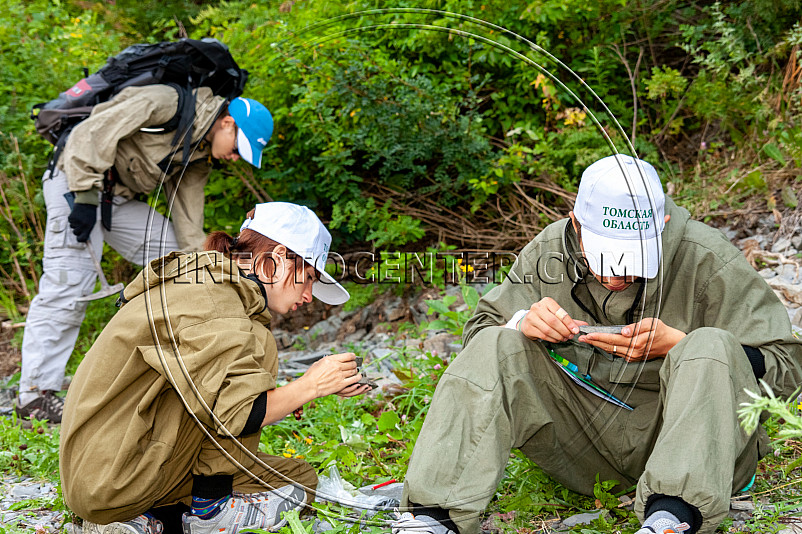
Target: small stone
{"x":790,"y":273}
{"x":325,"y":331}
{"x":356,"y":336}
{"x":396,"y":314}
{"x":321,"y":526}
{"x":767,"y":273}
{"x":308,"y":357}
{"x":582,"y":519}
{"x":729,"y":232}
{"x":760,"y":239}
{"x":742,"y":506}
{"x":791,"y":292}
{"x":440,"y":343}
{"x":797,"y":321}
{"x":782,"y":245}
{"x":283,"y":339}
{"x":25,"y":491}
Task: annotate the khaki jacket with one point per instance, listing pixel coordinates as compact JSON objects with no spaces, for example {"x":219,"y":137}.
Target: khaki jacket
{"x":187,"y":316}
{"x":111,"y":136}
{"x":704,"y":282}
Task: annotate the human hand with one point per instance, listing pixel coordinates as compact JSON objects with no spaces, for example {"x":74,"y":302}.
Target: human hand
{"x":82,"y":219}
{"x":547,"y":321}
{"x":336,"y":373}
{"x":647,"y":339}
{"x":354,"y":389}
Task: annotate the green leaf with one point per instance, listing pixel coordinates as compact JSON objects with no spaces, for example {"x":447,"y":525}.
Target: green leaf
{"x":471,"y":296}
{"x":438,"y":324}
{"x":437,"y":306}
{"x":368,"y":419}
{"x":754,"y":180}
{"x":294,"y":522}
{"x":773,"y":151}
{"x":789,"y":197}
{"x":387,"y":421}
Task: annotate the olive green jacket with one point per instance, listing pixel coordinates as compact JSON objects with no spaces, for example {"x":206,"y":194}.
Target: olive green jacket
{"x":704,"y":281}
{"x":191,"y":337}
{"x":112,"y":136}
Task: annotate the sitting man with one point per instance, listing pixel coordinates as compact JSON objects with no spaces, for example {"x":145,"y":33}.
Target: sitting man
{"x":701,"y":326}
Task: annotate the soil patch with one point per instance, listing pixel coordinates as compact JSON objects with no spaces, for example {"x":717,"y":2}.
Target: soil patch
{"x":10,"y":356}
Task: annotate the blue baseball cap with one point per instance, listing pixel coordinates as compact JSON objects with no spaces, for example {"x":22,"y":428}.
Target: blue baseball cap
{"x":254,"y":128}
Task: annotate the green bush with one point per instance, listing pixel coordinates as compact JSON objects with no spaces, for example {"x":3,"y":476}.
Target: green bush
{"x":392,"y":131}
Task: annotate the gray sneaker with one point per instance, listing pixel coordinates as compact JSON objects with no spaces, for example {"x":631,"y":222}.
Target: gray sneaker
{"x":139,"y":525}
{"x":249,"y":510}
{"x":46,"y":406}
{"x":420,"y":524}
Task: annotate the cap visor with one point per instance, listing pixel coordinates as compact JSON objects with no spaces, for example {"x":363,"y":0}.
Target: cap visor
{"x":245,"y":150}
{"x":329,"y":291}
{"x":622,"y":257}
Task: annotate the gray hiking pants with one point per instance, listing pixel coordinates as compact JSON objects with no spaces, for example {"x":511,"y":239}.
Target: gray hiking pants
{"x":503,"y":391}
{"x":54,"y":318}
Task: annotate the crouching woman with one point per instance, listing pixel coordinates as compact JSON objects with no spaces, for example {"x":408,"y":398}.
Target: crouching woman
{"x":162,"y":420}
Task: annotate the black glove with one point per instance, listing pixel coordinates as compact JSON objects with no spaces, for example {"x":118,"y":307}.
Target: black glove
{"x":82,"y":219}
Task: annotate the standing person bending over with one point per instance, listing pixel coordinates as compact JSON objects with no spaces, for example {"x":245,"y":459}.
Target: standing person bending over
{"x":701,"y":327}
{"x":167,"y":405}
{"x":113,"y":145}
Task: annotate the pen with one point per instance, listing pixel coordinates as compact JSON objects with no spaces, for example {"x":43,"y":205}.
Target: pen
{"x":565,"y":363}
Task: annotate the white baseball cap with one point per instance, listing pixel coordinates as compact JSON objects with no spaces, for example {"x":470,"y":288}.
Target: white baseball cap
{"x":298,"y":228}
{"x":621,"y":206}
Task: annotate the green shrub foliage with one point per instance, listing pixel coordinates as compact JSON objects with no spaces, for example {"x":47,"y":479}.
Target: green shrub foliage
{"x":404,"y":124}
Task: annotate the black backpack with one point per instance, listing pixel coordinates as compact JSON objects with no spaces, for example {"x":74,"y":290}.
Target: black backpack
{"x":186,"y":65}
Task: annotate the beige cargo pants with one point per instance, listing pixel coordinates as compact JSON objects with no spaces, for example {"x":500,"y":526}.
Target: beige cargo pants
{"x":503,"y":391}
{"x":135,"y":483}
{"x":55,"y":317}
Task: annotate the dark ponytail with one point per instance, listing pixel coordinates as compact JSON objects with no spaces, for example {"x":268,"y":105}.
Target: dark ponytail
{"x":247,"y":243}
{"x":221,"y":242}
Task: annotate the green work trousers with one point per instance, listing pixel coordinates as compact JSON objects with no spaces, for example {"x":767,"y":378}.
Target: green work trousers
{"x":682,"y":439}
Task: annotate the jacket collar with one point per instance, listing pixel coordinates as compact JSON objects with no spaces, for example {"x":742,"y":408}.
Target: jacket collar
{"x":208,"y":266}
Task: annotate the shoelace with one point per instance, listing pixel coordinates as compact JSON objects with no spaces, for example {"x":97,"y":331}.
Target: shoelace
{"x":255,"y":499}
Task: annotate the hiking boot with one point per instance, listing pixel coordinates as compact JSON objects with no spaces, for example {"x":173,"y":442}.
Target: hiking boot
{"x":420,"y":524}
{"x":249,"y":510}
{"x":665,"y":526}
{"x":46,"y":406}
{"x":143,"y":524}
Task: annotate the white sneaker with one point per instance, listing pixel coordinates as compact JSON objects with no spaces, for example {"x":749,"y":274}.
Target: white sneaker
{"x":139,"y":525}
{"x":249,"y":510}
{"x":422,"y":524}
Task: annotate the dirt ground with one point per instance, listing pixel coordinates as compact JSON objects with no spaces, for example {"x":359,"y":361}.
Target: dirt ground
{"x":9,"y":355}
